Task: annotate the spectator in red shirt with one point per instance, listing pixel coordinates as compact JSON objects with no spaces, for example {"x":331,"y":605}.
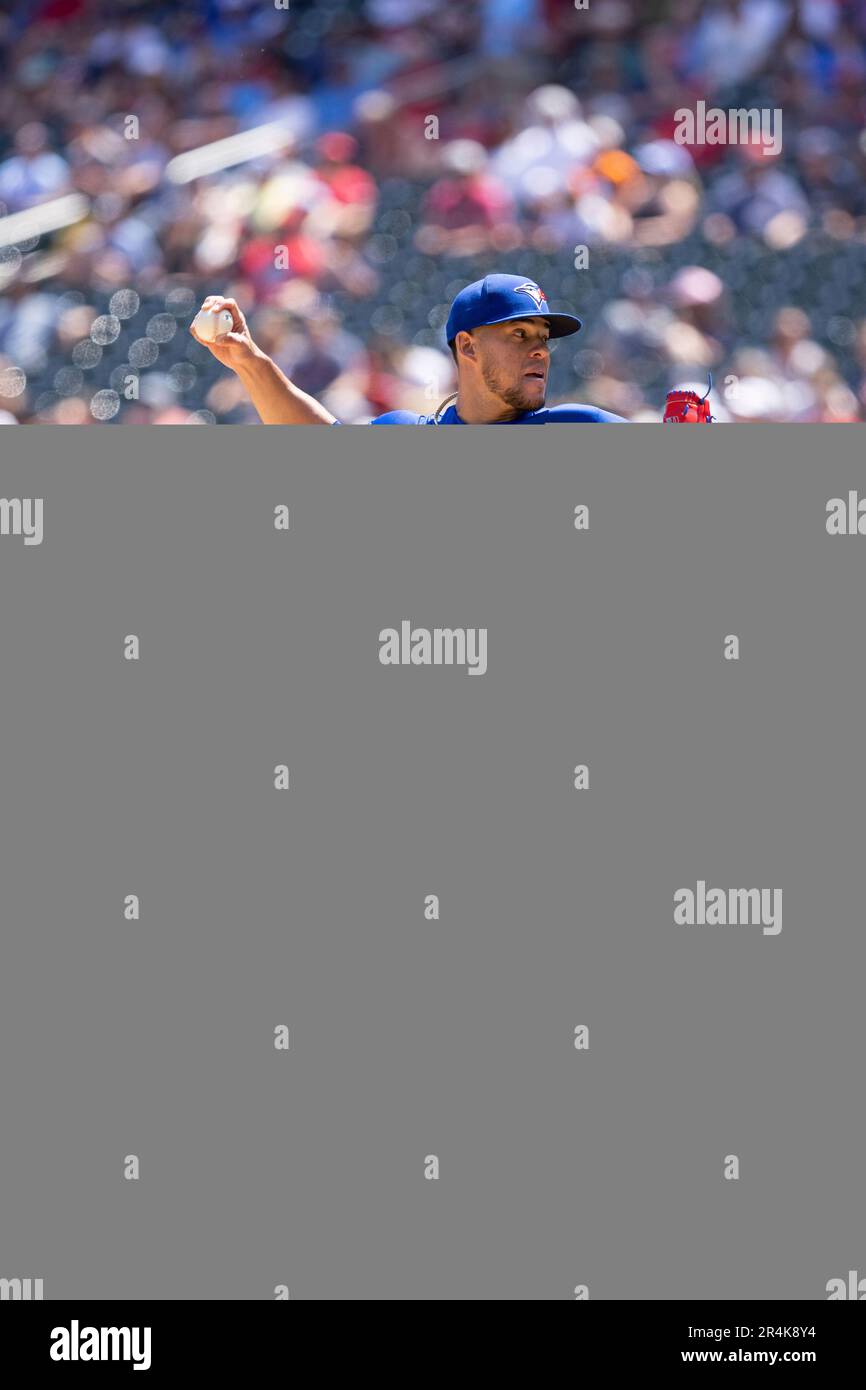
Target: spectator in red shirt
{"x":469,"y":210}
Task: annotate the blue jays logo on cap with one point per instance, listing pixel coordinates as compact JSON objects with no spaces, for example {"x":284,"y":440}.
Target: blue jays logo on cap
{"x":537,"y":295}
{"x":499,"y":298}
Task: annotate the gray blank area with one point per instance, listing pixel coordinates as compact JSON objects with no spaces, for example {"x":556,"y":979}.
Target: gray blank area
{"x":306,"y":907}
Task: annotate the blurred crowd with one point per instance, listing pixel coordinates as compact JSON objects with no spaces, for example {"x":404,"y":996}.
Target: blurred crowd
{"x":416,"y":145}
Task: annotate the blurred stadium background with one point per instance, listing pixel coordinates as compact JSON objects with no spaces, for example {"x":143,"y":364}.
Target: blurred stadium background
{"x":554,"y":131}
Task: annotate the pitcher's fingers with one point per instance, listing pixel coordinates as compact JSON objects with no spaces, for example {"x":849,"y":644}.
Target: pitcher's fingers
{"x":214,"y":304}
{"x":235,"y":311}
{"x":204,"y":307}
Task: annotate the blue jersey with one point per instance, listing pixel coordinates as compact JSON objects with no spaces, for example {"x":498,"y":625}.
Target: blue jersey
{"x":547,"y":415}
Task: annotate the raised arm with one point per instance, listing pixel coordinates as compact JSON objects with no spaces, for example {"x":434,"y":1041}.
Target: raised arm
{"x":277,"y":400}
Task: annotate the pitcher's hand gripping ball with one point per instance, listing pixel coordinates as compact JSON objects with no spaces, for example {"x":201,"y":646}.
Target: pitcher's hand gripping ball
{"x":211,"y":324}
{"x":688,"y":408}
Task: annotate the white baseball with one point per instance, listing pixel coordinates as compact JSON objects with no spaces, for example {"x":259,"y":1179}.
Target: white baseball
{"x":210,"y":324}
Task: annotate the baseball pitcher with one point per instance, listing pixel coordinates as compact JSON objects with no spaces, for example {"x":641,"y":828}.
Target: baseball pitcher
{"x":498,"y":331}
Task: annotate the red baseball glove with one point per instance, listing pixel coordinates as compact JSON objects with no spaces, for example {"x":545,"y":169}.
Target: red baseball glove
{"x":688,"y":408}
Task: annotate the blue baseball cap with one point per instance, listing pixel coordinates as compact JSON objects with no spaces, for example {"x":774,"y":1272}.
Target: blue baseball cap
{"x":498,"y":298}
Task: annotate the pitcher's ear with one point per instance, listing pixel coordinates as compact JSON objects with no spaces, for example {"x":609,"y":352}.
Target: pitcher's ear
{"x":465,"y":344}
